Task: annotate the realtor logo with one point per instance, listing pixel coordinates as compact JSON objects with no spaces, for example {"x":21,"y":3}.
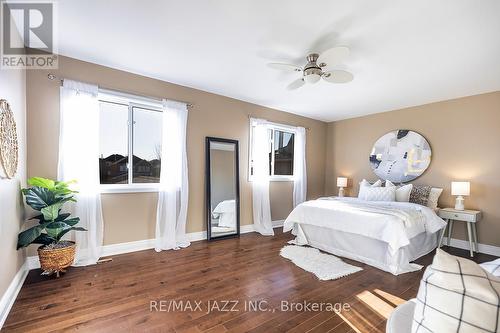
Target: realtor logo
{"x":27,"y":37}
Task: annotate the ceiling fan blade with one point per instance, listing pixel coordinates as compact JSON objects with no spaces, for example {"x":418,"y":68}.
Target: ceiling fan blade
{"x":296,"y":84}
{"x":285,"y":67}
{"x":338,"y":76}
{"x":333,"y":56}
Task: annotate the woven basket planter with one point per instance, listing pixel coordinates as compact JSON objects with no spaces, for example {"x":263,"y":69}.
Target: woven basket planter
{"x":56,"y":260}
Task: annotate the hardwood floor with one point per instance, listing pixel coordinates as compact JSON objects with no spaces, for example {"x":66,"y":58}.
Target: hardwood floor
{"x":116,"y":296}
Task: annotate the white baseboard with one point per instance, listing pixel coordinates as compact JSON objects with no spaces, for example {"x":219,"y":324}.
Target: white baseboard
{"x":482,"y":248}
{"x":278,"y":223}
{"x":10,"y":294}
{"x":32,"y":263}
{"x":120,"y":248}
{"x":245,"y":229}
{"x":146,"y":244}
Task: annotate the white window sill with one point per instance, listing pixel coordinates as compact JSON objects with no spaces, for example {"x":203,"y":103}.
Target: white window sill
{"x":276,"y":179}
{"x":281,"y":179}
{"x":136,"y":188}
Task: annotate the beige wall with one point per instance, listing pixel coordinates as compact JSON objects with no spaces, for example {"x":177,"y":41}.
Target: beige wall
{"x":464,"y":135}
{"x":130,"y":217}
{"x":13,"y":89}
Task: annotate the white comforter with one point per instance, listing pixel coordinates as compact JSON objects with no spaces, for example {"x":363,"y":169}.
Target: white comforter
{"x":392,"y":222}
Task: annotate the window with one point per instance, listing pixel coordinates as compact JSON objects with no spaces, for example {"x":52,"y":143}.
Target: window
{"x":283,"y":153}
{"x":113,"y":143}
{"x":130,"y":141}
{"x":281,"y":148}
{"x":146,"y":145}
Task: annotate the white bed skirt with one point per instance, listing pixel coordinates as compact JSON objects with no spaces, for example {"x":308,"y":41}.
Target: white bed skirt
{"x":367,"y":250}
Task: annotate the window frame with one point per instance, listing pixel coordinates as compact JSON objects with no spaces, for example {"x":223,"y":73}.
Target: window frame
{"x":272,"y":126}
{"x":131,"y":101}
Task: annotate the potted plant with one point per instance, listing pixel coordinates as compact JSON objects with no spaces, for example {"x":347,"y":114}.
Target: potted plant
{"x":48,"y":197}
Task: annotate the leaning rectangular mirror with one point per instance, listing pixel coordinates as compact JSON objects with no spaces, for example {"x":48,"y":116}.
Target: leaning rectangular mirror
{"x":223,"y":190}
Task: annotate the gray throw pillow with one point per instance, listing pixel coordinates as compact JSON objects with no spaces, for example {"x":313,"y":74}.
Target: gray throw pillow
{"x":420,"y":194}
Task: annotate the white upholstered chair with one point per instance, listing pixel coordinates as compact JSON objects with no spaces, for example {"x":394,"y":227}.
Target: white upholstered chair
{"x":401,"y":318}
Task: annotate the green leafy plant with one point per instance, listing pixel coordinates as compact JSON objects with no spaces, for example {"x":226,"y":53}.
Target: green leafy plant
{"x":48,"y":197}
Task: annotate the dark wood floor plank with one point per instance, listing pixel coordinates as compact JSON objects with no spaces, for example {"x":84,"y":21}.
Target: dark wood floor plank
{"x":116,"y":296}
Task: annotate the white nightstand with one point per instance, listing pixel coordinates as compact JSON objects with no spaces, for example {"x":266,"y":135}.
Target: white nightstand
{"x":471,"y":217}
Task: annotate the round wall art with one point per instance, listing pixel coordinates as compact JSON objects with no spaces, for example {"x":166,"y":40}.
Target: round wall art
{"x":400,"y":156}
{"x":8,"y":140}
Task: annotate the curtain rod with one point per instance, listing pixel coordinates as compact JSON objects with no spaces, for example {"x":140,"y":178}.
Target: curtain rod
{"x":189,"y":105}
{"x":278,"y":124}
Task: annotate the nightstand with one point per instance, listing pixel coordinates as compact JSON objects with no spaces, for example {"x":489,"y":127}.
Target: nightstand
{"x":471,"y":217}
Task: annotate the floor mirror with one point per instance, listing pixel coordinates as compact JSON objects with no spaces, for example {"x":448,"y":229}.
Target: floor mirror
{"x":222,"y":188}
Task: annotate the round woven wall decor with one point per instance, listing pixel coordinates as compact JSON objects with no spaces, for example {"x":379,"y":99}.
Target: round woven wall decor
{"x":8,"y":140}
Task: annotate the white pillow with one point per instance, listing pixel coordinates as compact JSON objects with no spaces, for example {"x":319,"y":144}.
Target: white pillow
{"x":377,"y":193}
{"x":456,"y":295}
{"x":432,"y":200}
{"x":364,"y":182}
{"x":402,"y":192}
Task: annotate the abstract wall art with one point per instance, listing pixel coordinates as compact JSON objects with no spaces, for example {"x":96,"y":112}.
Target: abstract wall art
{"x":400,"y":156}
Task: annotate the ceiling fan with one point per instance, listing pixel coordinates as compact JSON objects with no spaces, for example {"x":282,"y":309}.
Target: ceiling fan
{"x":317,"y":67}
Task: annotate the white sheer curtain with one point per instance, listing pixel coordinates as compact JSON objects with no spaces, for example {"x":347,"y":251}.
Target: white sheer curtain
{"x":171,"y":213}
{"x":260,"y":179}
{"x":299,"y":167}
{"x":79,"y":160}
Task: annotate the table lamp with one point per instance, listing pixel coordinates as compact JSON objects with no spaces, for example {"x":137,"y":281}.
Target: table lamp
{"x":341,"y":183}
{"x":460,"y":189}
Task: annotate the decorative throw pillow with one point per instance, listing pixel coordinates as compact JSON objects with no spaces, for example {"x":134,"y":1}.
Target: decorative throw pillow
{"x":402,"y":192}
{"x":492,"y":267}
{"x":432,"y":200}
{"x":456,"y":295}
{"x":366,"y":184}
{"x":388,"y":183}
{"x":377,"y":193}
{"x":420,"y":194}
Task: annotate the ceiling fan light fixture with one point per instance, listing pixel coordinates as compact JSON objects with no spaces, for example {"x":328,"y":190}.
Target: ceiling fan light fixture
{"x":319,"y":66}
{"x":312,"y":73}
{"x":312,"y":78}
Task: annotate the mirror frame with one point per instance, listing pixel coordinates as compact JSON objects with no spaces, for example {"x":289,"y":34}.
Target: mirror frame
{"x":208,"y":212}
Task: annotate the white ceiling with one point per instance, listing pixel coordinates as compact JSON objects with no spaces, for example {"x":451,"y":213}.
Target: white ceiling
{"x":403,"y":53}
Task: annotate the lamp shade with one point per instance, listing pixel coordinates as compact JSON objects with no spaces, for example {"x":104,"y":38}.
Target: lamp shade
{"x":460,"y":188}
{"x":341,"y":182}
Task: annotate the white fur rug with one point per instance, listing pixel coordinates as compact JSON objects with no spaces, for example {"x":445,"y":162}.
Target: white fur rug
{"x":324,"y":266}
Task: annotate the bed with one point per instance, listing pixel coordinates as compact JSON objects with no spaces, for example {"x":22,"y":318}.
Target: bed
{"x":225,"y":212}
{"x":386,"y":235}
